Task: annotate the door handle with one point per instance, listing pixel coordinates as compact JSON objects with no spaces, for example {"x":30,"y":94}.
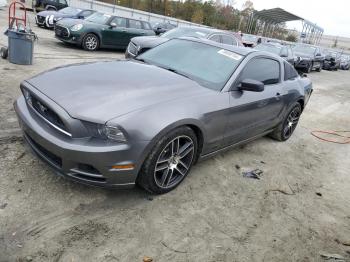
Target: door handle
{"x":278,"y":94}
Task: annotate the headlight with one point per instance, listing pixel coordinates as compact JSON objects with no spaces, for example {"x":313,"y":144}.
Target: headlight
{"x":27,"y":96}
{"x":112,"y":133}
{"x":106,"y":132}
{"x":51,"y":17}
{"x":76,"y":27}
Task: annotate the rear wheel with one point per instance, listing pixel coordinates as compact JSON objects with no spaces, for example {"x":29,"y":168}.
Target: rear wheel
{"x":169,"y":162}
{"x":91,"y":42}
{"x":286,"y":128}
{"x":4,"y":52}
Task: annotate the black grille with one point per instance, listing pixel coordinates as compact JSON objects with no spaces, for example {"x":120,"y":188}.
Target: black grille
{"x":56,"y":160}
{"x":40,"y":19}
{"x":144,"y":50}
{"x":47,"y":113}
{"x":61,"y":31}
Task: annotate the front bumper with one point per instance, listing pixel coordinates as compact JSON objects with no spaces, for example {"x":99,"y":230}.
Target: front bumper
{"x":329,"y":65}
{"x":84,"y":160}
{"x":67,"y":36}
{"x":303,"y":64}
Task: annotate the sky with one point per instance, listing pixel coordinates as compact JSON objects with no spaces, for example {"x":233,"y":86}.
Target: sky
{"x":333,"y":16}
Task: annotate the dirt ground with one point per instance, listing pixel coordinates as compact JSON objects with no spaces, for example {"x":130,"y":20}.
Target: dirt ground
{"x":298,"y":210}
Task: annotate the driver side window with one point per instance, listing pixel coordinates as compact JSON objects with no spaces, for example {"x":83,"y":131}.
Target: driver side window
{"x":120,"y":21}
{"x":265,"y":70}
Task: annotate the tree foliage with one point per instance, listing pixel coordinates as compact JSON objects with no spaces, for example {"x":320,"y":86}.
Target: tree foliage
{"x":221,"y":14}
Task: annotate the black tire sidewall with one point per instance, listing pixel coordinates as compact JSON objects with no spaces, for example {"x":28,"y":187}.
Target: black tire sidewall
{"x":84,"y":39}
{"x":4,"y":52}
{"x":146,"y":177}
{"x":296,"y":105}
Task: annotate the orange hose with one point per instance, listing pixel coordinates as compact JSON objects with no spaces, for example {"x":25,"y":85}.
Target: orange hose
{"x":333,"y":133}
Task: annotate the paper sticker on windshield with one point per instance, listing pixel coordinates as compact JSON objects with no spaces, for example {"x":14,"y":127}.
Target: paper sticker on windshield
{"x":230,"y":54}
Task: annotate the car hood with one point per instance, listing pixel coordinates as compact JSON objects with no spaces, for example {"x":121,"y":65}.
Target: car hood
{"x":148,"y":41}
{"x":68,"y":22}
{"x":100,"y":91}
{"x":47,"y":12}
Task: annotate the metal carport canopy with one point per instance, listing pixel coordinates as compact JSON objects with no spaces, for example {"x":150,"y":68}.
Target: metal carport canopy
{"x":276,"y":15}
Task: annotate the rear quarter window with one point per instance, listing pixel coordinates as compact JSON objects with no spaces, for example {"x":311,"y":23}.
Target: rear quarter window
{"x":289,"y":72}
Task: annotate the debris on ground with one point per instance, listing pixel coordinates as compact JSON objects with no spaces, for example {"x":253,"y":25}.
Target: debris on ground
{"x":334,"y":257}
{"x":343,"y":242}
{"x":172,"y":249}
{"x":237,"y":166}
{"x":147,"y":259}
{"x":256,"y":174}
{"x":284,"y":192}
{"x":2,"y":206}
{"x":319,"y":194}
{"x":150,"y":198}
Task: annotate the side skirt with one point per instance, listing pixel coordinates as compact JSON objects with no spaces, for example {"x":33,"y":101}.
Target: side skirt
{"x":224,"y":149}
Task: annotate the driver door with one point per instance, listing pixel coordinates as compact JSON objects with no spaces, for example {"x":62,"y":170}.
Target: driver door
{"x":253,"y":113}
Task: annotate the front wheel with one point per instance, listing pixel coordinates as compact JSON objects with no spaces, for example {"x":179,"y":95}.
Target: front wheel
{"x":169,"y":162}
{"x":91,"y":42}
{"x":309,"y":68}
{"x":286,"y":128}
{"x":319,"y":69}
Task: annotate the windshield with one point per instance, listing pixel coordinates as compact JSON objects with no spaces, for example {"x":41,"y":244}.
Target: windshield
{"x":269,"y":48}
{"x":208,"y":65}
{"x":183,"y":32}
{"x":69,"y":11}
{"x":310,"y":50}
{"x":98,"y":18}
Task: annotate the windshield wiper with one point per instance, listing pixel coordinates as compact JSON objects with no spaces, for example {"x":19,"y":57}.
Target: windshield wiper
{"x":176,"y":72}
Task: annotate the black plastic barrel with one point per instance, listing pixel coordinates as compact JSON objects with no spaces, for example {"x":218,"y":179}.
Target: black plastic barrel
{"x":21,"y":47}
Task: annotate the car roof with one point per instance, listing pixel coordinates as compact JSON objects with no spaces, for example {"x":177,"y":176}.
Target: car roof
{"x":273,"y":44}
{"x":237,"y":49}
{"x":206,"y":30}
{"x":303,"y":44}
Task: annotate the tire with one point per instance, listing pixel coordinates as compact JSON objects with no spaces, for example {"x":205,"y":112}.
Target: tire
{"x":309,"y":68}
{"x":4,"y":52}
{"x":91,"y":42}
{"x":169,"y":162}
{"x":286,"y":128}
{"x":319,"y":69}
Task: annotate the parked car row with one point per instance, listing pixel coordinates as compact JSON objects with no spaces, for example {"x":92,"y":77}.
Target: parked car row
{"x":93,"y":30}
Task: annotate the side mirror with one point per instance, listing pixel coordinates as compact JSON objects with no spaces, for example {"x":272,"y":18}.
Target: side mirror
{"x":251,"y":85}
{"x":318,"y":54}
{"x":113,"y":24}
{"x":81,"y":17}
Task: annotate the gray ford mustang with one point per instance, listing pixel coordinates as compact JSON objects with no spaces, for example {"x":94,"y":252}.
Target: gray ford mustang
{"x":148,"y":120}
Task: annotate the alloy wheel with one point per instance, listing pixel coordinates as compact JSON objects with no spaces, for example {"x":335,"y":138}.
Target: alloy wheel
{"x":174,"y":162}
{"x":91,"y":42}
{"x":291,"y":122}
